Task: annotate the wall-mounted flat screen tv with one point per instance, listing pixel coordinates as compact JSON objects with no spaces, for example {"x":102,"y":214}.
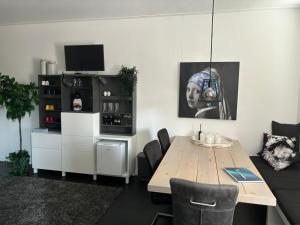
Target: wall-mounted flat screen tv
{"x":84,"y":57}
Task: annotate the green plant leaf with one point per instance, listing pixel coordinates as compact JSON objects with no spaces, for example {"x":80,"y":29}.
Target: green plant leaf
{"x":19,"y":163}
{"x":18,"y":99}
{"x":129,"y":78}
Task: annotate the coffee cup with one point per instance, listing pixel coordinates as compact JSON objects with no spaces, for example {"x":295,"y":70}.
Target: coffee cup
{"x":210,"y":139}
{"x":218,"y":139}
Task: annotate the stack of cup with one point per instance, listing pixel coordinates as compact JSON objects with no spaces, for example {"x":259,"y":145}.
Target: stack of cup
{"x":210,"y":138}
{"x":51,"y":67}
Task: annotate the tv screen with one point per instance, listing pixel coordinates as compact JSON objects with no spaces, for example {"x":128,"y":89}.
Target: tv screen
{"x":84,"y":58}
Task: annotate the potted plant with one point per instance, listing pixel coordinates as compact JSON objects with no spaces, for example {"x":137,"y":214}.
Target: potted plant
{"x":18,"y":99}
{"x":19,"y":163}
{"x":129,"y":78}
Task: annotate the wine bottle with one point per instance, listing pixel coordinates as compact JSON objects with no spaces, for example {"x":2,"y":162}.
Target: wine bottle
{"x":199,"y":133}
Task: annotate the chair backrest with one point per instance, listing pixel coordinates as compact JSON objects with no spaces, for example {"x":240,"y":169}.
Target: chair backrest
{"x":164,"y":140}
{"x":202,"y":204}
{"x":153,"y":154}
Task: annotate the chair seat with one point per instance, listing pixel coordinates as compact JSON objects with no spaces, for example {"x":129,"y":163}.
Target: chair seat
{"x":277,"y":180}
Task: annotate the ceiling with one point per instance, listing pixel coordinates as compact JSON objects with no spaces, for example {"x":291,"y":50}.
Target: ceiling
{"x":36,"y":11}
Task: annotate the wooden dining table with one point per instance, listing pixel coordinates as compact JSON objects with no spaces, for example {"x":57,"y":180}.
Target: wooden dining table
{"x":200,"y":164}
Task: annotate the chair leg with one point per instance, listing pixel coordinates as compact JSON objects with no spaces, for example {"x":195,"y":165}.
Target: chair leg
{"x":162,"y":215}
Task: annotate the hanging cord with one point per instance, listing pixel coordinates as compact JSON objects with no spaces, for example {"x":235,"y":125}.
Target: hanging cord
{"x":211,"y":41}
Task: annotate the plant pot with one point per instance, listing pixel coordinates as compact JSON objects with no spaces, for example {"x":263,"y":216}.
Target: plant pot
{"x":19,"y":163}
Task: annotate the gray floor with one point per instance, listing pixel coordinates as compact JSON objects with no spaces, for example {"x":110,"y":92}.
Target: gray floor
{"x":134,"y":206}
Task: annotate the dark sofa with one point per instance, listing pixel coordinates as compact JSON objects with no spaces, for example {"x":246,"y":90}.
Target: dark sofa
{"x":285,"y":185}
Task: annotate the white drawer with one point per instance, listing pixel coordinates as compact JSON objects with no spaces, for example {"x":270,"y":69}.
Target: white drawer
{"x":44,"y":158}
{"x":46,"y":140}
{"x":80,"y":124}
{"x":77,"y":143}
{"x":78,"y":162}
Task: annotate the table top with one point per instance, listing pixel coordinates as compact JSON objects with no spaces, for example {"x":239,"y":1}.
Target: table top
{"x":192,"y":162}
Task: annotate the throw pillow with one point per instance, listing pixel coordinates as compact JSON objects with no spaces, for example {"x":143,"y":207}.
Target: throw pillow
{"x":289,"y":130}
{"x":279,"y":151}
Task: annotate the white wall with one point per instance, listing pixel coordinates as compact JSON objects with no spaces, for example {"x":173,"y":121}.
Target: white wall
{"x":264,"y":42}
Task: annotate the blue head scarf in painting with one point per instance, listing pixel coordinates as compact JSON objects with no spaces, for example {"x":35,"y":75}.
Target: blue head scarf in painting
{"x":199,"y":78}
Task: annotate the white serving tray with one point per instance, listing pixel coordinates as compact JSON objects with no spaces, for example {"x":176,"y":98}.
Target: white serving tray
{"x":227,"y":142}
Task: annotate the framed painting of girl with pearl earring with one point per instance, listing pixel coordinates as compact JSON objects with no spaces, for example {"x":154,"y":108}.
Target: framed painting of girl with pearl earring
{"x":209,"y":92}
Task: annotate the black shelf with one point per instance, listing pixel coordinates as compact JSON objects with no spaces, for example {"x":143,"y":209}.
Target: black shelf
{"x":81,"y":111}
{"x":88,"y":90}
{"x":107,"y":125}
{"x":50,"y":99}
{"x":81,"y":88}
{"x":116,"y":98}
{"x":52,"y":111}
{"x":52,"y":123}
{"x":50,"y":86}
{"x":126,"y":114}
{"x":122,"y":113}
{"x":91,"y":88}
{"x":50,"y":96}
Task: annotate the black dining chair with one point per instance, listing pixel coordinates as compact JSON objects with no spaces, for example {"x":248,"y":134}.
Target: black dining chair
{"x":164,"y":140}
{"x":202,"y":204}
{"x":153,"y":155}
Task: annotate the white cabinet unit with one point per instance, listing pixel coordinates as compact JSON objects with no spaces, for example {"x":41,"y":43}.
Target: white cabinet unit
{"x":46,"y":151}
{"x":78,"y":142}
{"x":114,"y":157}
{"x":78,"y":161}
{"x":80,"y":124}
{"x":78,"y":154}
{"x":48,"y":159}
{"x":74,"y":150}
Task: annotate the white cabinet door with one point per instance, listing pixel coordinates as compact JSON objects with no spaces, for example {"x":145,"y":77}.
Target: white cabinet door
{"x":46,"y":151}
{"x":77,"y":143}
{"x":46,"y":140}
{"x":78,"y":161}
{"x":111,"y":161}
{"x":80,"y":124}
{"x":46,"y":158}
{"x":78,"y":154}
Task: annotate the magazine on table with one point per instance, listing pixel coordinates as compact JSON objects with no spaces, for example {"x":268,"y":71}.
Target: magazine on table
{"x":243,"y":175}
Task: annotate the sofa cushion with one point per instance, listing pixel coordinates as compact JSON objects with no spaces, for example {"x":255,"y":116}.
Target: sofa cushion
{"x":289,"y":130}
{"x":279,"y":151}
{"x":289,"y":203}
{"x":288,"y":178}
